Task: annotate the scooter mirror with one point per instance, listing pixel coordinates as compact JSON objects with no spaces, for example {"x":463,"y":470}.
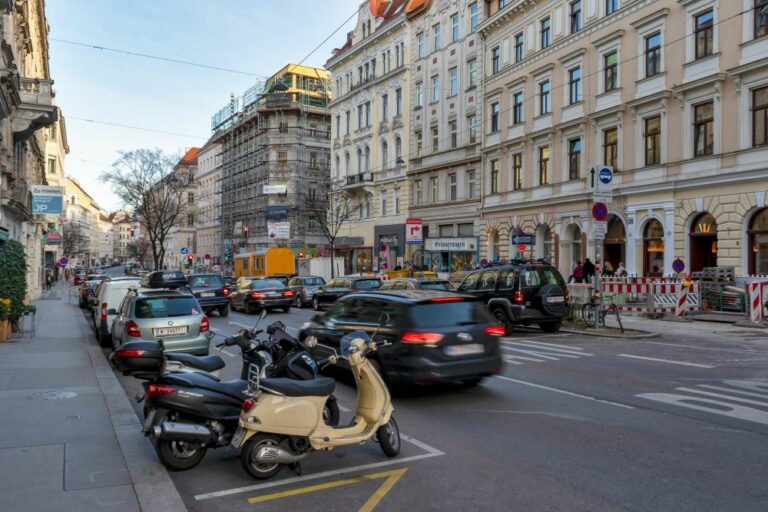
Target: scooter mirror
{"x":310,"y":341}
{"x":263,"y":314}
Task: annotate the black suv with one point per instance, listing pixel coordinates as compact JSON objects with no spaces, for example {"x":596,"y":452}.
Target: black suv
{"x":521,"y":292}
{"x":342,"y":286}
{"x":211,"y":292}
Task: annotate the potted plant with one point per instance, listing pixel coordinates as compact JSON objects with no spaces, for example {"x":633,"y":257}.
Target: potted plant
{"x":5,"y":315}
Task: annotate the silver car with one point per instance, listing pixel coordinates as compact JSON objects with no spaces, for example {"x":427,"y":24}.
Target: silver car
{"x":304,"y":288}
{"x":171,"y":316}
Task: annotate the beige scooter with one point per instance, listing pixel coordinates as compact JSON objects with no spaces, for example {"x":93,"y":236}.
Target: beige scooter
{"x":282,"y":419}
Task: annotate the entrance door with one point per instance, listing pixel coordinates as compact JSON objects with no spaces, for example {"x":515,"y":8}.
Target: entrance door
{"x":653,"y":249}
{"x":703,"y":242}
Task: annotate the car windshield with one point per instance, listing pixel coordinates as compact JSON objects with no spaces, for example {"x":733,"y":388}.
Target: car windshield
{"x":205,"y":281}
{"x":267,"y":283}
{"x":542,"y":276}
{"x":166,"y":307}
{"x":437,"y":285}
{"x":314,"y":281}
{"x":448,"y":314}
{"x":367,"y":284}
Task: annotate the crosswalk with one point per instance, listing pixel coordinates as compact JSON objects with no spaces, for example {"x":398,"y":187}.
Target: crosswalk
{"x":520,"y":351}
{"x":740,"y":399}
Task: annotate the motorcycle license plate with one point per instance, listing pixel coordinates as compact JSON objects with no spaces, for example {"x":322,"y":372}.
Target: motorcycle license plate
{"x":170,"y":331}
{"x":464,"y":350}
{"x":208,"y":294}
{"x":237,"y":439}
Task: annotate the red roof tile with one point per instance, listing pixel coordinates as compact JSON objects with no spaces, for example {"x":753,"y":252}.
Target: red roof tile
{"x":190,"y":157}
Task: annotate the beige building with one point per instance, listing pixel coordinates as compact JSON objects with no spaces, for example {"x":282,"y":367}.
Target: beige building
{"x":82,"y":215}
{"x":56,"y":150}
{"x":672,"y":94}
{"x":126,"y":231}
{"x":208,"y":216}
{"x":106,"y":250}
{"x":183,"y":234}
{"x":370,"y":118}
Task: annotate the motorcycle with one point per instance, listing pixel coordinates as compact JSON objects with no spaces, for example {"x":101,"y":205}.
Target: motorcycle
{"x":270,"y":442}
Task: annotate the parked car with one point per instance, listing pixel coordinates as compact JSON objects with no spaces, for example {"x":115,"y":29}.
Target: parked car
{"x":339,"y":287}
{"x":304,"y":288}
{"x":77,"y":279}
{"x":283,"y":278}
{"x":435,"y":336}
{"x":262,"y":294}
{"x":521,"y":293}
{"x":172,"y":316}
{"x":86,"y":290}
{"x":412,"y":283}
{"x":210,"y":292}
{"x":109,"y":297}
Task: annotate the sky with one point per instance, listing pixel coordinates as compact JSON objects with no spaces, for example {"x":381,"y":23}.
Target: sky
{"x":252,"y":36}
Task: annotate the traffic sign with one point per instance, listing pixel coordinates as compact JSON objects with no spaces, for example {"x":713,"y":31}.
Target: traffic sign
{"x":184,"y":251}
{"x":207,"y":257}
{"x":522,"y":248}
{"x":63,"y":261}
{"x":599,"y":211}
{"x":413,"y":231}
{"x":603,"y":197}
{"x":524,"y":239}
{"x":605,"y":175}
{"x":600,"y":229}
{"x":678,"y":265}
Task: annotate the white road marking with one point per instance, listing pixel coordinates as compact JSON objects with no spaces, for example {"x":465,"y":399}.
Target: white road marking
{"x":720,"y":388}
{"x":244,"y":326}
{"x":552,"y":351}
{"x":720,"y":407}
{"x":526,"y":350}
{"x":564,"y":392}
{"x":696,"y":347}
{"x":720,"y":395}
{"x":760,"y":387}
{"x":545,"y":345}
{"x":430,"y":452}
{"x":681,"y":363}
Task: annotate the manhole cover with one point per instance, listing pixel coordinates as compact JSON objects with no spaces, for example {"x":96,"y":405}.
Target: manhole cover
{"x":53,"y":395}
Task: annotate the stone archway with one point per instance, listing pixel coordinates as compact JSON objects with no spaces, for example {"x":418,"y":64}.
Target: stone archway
{"x":653,"y":248}
{"x":703,"y":242}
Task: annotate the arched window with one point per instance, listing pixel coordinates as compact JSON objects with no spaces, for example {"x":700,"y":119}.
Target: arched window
{"x":494,"y":246}
{"x":359,"y":160}
{"x":703,"y":242}
{"x":615,"y":243}
{"x":758,"y":243}
{"x":384,"y":155}
{"x":653,"y":248}
{"x":398,"y":149}
{"x":346,"y":163}
{"x":367,"y":160}
{"x":544,"y":242}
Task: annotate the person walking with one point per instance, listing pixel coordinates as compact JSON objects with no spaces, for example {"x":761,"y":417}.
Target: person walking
{"x":608,"y":269}
{"x":589,"y":270}
{"x":578,"y":272}
{"x":48,"y":281}
{"x":620,"y":270}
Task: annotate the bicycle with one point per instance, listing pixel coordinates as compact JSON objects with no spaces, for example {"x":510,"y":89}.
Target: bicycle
{"x":607,"y":305}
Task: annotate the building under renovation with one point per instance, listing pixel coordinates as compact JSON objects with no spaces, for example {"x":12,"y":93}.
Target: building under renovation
{"x":275,"y":143}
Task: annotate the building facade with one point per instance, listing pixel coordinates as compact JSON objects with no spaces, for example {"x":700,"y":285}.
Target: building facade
{"x":56,"y":150}
{"x":672,"y":95}
{"x":370,"y":118}
{"x":81,"y":225}
{"x":208,"y":215}
{"x":181,"y":241}
{"x":106,"y":250}
{"x":126,"y":233}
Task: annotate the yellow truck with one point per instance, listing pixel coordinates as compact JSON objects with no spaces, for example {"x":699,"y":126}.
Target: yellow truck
{"x":266,"y":262}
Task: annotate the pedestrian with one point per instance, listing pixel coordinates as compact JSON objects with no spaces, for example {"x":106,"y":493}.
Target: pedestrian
{"x":48,"y":281}
{"x":578,"y":272}
{"x":608,"y":269}
{"x":620,"y":270}
{"x":589,"y":270}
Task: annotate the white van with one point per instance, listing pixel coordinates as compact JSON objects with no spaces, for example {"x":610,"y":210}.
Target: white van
{"x":111,"y":295}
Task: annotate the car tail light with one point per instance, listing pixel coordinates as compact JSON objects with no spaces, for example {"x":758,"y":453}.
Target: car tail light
{"x":248,"y":404}
{"x":289,"y":293}
{"x":257,"y":295}
{"x":155,"y":391}
{"x":495,"y":330}
{"x":132,"y":329}
{"x":129,"y":353}
{"x":446,"y":299}
{"x":417,"y":338}
{"x":103,"y":311}
{"x":353,"y":290}
{"x":226,"y":292}
{"x":204,"y":324}
{"x":519,"y":297}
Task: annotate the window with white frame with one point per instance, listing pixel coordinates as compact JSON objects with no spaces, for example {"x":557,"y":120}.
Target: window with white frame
{"x":703,"y":129}
{"x":435,"y":139}
{"x":760,"y":15}
{"x":517,"y":171}
{"x":652,"y":140}
{"x":760,"y":116}
{"x":436,"y":37}
{"x":611,"y":6}
{"x":453,"y":126}
{"x":610,"y":146}
{"x":545,"y":105}
{"x":495,"y":60}
{"x":472,"y":124}
{"x":517,"y":107}
{"x":473,"y":16}
{"x":383,"y":202}
{"x":545,"y":168}
{"x":452,"y":187}
{"x":575,"y":16}
{"x":652,"y":54}
{"x":495,"y":114}
{"x":471,"y":184}
{"x":455,"y":27}
{"x":519,"y":47}
{"x":453,"y":77}
{"x":419,"y":94}
{"x":398,"y":101}
{"x":545,"y":32}
{"x":418,"y":191}
{"x":435,"y":88}
{"x":472,"y":72}
{"x":574,"y":158}
{"x":704,"y":33}
{"x":384,"y":107}
{"x":396,"y":200}
{"x":574,"y":85}
{"x":610,"y":71}
{"x":434,"y":191}
{"x":420,"y":48}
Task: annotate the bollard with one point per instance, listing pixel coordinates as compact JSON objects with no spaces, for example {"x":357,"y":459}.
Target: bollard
{"x":755,"y":302}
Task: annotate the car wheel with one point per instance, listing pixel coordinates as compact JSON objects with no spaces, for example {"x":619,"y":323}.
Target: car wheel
{"x":550,"y":326}
{"x":286,"y":309}
{"x":501,"y":316}
{"x":224,"y":311}
{"x":299,"y":301}
{"x":316,"y":304}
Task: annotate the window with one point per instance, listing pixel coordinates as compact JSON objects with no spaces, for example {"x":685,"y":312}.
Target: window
{"x":574,"y":158}
{"x":761,"y":18}
{"x":436,"y":36}
{"x":452,"y":186}
{"x":653,"y":54}
{"x":611,"y":70}
{"x":703,"y":129}
{"x":653,"y":140}
{"x":398,"y":151}
{"x":348,"y":113}
{"x":760,"y":116}
{"x":610,"y":146}
{"x":282,"y":159}
{"x":574,"y":85}
{"x":433,"y":191}
{"x":455,"y":28}
{"x":472,"y":72}
{"x":396,"y":197}
{"x":359,"y":116}
{"x":453,"y":75}
{"x":472,"y":123}
{"x":544,"y":169}
{"x":471,"y":184}
{"x":495,"y":176}
{"x":52,"y":132}
{"x":435,"y":88}
{"x":52,"y":166}
{"x":383,"y":198}
{"x":367,"y":113}
{"x":473,"y":17}
{"x":519,"y":48}
{"x":544,"y":104}
{"x":338,"y":125}
{"x":517,"y":171}
{"x":517,"y":107}
{"x":575,"y":16}
{"x":611,"y":6}
{"x":495,"y":60}
{"x":384,"y":107}
{"x":466,"y":229}
{"x":435,"y":139}
{"x":545,"y":33}
{"x":454,"y":128}
{"x":704,"y":33}
{"x":384,"y":155}
{"x":419,"y":94}
{"x":418,"y":192}
{"x":502,"y":4}
{"x":398,"y":101}
{"x":495,"y":113}
{"x":445,"y":230}
{"x":282,"y":127}
{"x":420,"y":44}
{"x":419,"y":142}
{"x":190,"y":220}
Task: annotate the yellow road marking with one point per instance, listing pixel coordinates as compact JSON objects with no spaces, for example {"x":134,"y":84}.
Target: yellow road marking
{"x":391,"y":479}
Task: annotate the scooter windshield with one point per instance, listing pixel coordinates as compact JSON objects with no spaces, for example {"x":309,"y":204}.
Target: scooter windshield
{"x":346,"y":341}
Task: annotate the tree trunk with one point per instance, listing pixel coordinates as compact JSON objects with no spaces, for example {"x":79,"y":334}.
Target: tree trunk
{"x":333,"y":253}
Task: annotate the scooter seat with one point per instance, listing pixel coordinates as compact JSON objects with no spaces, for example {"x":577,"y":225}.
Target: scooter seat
{"x":205,"y":363}
{"x":321,"y":386}
{"x":235,"y":388}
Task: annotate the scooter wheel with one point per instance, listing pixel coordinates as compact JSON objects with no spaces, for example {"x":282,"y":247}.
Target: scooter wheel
{"x":388,"y":436}
{"x":180,"y":455}
{"x":331,"y":413}
{"x":248,"y":456}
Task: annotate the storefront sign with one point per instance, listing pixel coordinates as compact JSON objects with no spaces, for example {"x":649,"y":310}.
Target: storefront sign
{"x":277,"y":212}
{"x":279,"y":230}
{"x":47,"y":200}
{"x":52,"y":238}
{"x":451,"y":244}
{"x":388,"y":240}
{"x":275,"y":189}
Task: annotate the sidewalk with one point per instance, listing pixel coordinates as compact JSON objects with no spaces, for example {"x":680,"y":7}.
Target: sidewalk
{"x":70,"y":439}
{"x":690,"y":326}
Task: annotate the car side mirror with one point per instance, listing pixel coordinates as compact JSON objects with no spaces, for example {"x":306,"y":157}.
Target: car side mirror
{"x":112,"y":311}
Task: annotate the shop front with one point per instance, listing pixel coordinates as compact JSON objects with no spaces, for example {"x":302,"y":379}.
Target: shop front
{"x":390,"y":244}
{"x":357,"y":257}
{"x":453,"y":254}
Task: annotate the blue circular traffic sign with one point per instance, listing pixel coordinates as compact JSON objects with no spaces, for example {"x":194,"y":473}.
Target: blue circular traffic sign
{"x":678,"y":265}
{"x":184,"y":251}
{"x":599,"y":211}
{"x":605,"y":175}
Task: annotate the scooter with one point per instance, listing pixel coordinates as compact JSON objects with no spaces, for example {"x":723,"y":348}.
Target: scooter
{"x":282,"y":421}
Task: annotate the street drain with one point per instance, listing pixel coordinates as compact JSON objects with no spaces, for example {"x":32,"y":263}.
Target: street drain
{"x":53,"y":395}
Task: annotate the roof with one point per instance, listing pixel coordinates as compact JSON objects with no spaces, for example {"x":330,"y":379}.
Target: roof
{"x":190,"y":157}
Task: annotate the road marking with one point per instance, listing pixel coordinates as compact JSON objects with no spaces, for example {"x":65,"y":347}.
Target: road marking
{"x":720,"y":395}
{"x":720,"y":388}
{"x":681,"y":363}
{"x":544,"y":345}
{"x":430,"y":452}
{"x":391,"y":478}
{"x":710,"y":405}
{"x":696,"y":347}
{"x":564,"y":392}
{"x":244,"y":326}
{"x":539,"y":352}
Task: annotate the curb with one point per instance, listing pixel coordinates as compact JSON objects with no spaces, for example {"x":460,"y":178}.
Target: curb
{"x":153,"y":486}
{"x":622,"y":336}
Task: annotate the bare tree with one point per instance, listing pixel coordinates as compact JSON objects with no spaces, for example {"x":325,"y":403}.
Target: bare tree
{"x":137,"y":249}
{"x":144,"y":180}
{"x":330,"y":208}
{"x":73,"y":241}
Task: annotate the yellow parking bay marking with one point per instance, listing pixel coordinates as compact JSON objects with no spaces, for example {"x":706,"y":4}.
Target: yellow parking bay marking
{"x":391,"y":479}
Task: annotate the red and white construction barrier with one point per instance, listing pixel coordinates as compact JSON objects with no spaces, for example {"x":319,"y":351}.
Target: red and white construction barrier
{"x":659,"y":295}
{"x":757,"y":291}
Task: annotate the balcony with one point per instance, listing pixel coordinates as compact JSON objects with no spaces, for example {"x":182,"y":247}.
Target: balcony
{"x":357,"y":180}
{"x":387,"y":174}
{"x":35,"y":109}
{"x":14,"y":195}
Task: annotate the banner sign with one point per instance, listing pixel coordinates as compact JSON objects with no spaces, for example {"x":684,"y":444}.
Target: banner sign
{"x":47,"y":200}
{"x":275,"y":189}
{"x":279,"y":230}
{"x":451,"y":244}
{"x":279,"y":212}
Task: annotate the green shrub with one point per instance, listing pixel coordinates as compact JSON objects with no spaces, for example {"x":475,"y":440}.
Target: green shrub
{"x":13,"y":275}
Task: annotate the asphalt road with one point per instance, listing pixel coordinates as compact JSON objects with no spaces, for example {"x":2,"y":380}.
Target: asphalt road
{"x":678,"y":423}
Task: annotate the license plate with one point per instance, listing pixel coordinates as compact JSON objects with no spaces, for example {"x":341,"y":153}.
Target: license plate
{"x":170,"y":331}
{"x":208,"y":294}
{"x":237,"y":439}
{"x":555,"y":300}
{"x":464,"y":350}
